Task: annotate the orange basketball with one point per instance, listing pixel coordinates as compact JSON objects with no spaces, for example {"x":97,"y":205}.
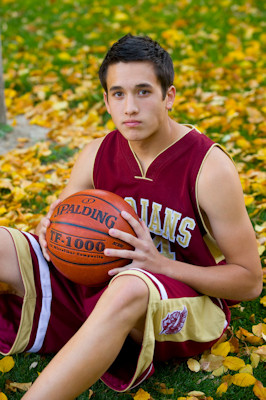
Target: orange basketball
{"x":78,"y":235}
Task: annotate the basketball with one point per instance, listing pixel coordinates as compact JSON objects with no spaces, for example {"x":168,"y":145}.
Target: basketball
{"x":78,"y":235}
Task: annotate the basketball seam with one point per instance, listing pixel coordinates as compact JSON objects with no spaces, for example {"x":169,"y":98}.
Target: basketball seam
{"x":80,"y":226}
{"x":96,"y":197}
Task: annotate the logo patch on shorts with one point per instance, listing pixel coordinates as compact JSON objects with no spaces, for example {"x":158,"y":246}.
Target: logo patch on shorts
{"x":174,"y":322}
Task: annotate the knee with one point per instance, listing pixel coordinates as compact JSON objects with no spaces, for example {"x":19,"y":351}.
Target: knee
{"x":129,"y":296}
{"x":130,"y":288}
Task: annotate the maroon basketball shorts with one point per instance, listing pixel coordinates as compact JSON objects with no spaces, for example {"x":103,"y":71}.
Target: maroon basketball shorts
{"x":180,"y":322}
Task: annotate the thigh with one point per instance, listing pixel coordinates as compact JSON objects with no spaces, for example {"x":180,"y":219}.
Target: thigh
{"x":9,"y":266}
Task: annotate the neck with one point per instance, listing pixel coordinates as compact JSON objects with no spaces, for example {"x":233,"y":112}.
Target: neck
{"x":147,"y":150}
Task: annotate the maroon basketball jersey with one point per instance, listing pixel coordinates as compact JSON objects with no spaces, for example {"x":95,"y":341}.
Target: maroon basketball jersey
{"x":166,"y":196}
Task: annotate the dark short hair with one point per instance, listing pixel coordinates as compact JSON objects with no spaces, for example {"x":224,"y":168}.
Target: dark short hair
{"x":140,"y":48}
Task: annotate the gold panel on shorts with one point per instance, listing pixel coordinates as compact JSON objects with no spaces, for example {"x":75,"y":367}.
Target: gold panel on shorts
{"x":29,"y":301}
{"x":202,"y":321}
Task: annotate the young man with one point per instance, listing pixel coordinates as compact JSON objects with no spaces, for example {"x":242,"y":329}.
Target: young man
{"x":194,"y":250}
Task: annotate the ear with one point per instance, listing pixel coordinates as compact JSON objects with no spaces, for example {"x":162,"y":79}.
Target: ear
{"x":105,"y":97}
{"x":170,"y":97}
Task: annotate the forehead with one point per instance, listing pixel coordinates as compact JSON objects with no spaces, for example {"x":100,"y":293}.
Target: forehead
{"x":131,"y":74}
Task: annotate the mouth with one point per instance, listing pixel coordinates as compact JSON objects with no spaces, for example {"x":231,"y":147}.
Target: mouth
{"x":131,"y":123}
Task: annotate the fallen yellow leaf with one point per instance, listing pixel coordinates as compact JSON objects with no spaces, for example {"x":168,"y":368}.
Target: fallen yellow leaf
{"x":254,"y":359}
{"x":243,"y":380}
{"x":259,"y":330}
{"x":193,"y":365}
{"x":211,"y":362}
{"x":220,"y":371}
{"x":261,"y":350}
{"x":3,"y":396}
{"x":233,"y":363}
{"x":259,"y":390}
{"x":221,"y":349}
{"x":196,"y":393}
{"x":6,"y":364}
{"x":263,"y":301}
{"x":247,"y":369}
{"x":142,"y":395}
{"x":21,"y":386}
{"x":222,"y":389}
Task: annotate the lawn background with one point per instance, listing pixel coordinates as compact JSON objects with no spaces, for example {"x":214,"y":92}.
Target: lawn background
{"x":51,"y":53}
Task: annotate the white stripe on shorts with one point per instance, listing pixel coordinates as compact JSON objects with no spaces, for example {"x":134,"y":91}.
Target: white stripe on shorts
{"x":46,"y":295}
{"x":161,"y":287}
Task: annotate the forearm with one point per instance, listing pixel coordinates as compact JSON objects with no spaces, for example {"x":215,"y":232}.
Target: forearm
{"x":239,"y":279}
{"x":229,"y":281}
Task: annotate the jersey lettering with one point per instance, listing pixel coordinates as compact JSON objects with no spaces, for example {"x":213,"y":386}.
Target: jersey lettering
{"x":170,"y":232}
{"x":144,"y":210}
{"x":163,"y":246}
{"x":155,"y":220}
{"x":132,"y":203}
{"x":170,"y":221}
{"x":184,"y":238}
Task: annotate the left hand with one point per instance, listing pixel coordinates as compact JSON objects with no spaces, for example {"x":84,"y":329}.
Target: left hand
{"x":145,"y":255}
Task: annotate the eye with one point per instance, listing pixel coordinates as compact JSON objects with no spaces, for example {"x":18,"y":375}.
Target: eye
{"x":118,"y":94}
{"x":143,"y":92}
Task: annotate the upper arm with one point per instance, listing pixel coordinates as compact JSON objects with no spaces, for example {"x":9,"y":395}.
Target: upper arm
{"x":81,"y":177}
{"x":221,"y":198}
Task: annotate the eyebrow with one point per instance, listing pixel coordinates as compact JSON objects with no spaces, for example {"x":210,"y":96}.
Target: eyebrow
{"x":139,"y":86}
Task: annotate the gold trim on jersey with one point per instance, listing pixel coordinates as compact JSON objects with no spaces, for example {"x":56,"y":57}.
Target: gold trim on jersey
{"x":143,"y":175}
{"x":29,"y":300}
{"x":144,"y":178}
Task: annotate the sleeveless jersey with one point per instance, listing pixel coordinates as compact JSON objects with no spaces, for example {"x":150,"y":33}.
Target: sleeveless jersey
{"x":166,"y":196}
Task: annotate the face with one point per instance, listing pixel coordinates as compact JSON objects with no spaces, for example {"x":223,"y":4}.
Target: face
{"x":135,"y":101}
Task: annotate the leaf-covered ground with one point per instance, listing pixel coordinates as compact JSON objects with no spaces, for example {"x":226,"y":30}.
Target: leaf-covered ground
{"x":51,"y":52}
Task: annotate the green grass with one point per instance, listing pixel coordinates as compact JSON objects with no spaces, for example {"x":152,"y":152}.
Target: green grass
{"x":4,"y":129}
{"x":58,"y":153}
{"x":33,"y":36}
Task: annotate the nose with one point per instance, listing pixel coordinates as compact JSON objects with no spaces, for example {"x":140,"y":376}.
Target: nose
{"x":131,"y":106}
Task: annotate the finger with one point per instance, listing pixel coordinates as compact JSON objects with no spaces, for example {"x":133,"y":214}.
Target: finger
{"x":128,"y":254}
{"x":116,"y":271}
{"x":44,"y":248}
{"x":53,"y":207}
{"x":46,"y":255}
{"x":126,"y":237}
{"x":135,"y":224}
{"x":45,"y":223}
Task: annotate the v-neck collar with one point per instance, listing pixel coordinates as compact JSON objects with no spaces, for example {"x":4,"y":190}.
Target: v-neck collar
{"x":134,"y":162}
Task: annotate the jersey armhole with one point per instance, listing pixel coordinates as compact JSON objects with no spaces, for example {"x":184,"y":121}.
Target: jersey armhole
{"x":208,"y":237}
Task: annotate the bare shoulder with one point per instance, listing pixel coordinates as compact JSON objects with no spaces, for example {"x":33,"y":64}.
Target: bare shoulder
{"x":91,"y":148}
{"x":81,"y":177}
{"x":219,"y":183}
{"x":218,"y":164}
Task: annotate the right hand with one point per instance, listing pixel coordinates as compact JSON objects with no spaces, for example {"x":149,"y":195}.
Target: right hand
{"x":42,"y":228}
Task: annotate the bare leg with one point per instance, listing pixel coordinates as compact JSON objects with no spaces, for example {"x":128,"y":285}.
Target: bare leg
{"x":9,"y":268}
{"x":91,"y":351}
